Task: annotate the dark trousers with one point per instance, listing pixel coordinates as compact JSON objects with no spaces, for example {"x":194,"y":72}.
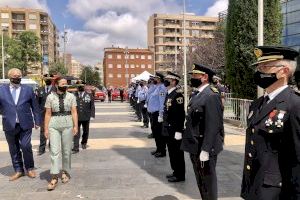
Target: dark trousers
{"x":206,"y":176}
{"x":122,"y":97}
{"x":176,"y":156}
{"x":138,"y":111}
{"x":144,"y":112}
{"x":156,"y":128}
{"x":85,"y":135}
{"x":109,"y":98}
{"x":18,"y":140}
{"x":43,"y":139}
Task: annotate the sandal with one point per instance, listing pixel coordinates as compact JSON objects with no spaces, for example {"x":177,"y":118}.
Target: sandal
{"x":65,"y":177}
{"x":52,"y":184}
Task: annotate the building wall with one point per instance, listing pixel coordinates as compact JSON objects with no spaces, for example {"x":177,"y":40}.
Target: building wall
{"x":21,"y":19}
{"x":291,"y":23}
{"x":117,"y":73}
{"x":166,"y":34}
{"x":76,"y":68}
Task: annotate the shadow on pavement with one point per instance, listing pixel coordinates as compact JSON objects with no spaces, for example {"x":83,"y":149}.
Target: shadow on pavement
{"x":7,"y":170}
{"x":45,"y":175}
{"x":166,"y":197}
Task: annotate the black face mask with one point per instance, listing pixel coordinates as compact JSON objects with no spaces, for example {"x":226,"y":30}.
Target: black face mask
{"x":62,"y":88}
{"x":48,"y":82}
{"x":264,"y":80}
{"x":195,"y":82}
{"x":15,"y":81}
{"x":155,"y":82}
{"x":81,"y":88}
{"x":167,"y":83}
{"x":141,"y":84}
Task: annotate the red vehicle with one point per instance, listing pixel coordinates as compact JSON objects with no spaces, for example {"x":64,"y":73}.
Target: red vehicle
{"x":100,"y":95}
{"x":115,"y":95}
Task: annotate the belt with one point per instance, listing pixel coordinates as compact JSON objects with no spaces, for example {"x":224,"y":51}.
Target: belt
{"x":61,"y":113}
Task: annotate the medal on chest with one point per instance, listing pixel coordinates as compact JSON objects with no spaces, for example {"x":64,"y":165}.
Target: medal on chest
{"x":169,"y":103}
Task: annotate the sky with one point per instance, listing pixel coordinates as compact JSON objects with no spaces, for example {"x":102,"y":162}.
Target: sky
{"x":92,"y":25}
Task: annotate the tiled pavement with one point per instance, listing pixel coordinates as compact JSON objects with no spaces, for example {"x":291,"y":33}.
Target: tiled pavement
{"x":117,"y":165}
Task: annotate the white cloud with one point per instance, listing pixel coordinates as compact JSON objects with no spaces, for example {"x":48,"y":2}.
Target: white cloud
{"x":218,"y":6}
{"x":39,"y":4}
{"x":124,"y":23}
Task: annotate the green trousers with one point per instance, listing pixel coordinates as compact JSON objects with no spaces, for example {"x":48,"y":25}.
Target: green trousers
{"x":60,"y":141}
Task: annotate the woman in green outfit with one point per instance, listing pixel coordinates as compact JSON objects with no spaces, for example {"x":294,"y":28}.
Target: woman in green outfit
{"x":60,"y":127}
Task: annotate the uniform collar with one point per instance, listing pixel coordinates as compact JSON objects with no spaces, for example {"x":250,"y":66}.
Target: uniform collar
{"x":171,"y":90}
{"x":200,"y":89}
{"x":276,"y":92}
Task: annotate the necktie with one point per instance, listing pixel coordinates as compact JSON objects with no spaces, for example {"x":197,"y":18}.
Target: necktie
{"x":14,"y":94}
{"x":265,"y":102}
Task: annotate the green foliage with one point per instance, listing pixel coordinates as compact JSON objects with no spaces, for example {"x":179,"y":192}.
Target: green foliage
{"x":90,"y":76}
{"x":58,"y":68}
{"x":241,"y":39}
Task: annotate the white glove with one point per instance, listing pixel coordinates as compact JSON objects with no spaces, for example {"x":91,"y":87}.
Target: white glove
{"x":160,"y":119}
{"x":204,"y":156}
{"x":145,"y":106}
{"x":178,"y":136}
{"x":138,"y":101}
{"x":92,"y":118}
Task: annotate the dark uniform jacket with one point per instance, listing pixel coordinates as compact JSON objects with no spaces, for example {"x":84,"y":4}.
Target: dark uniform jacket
{"x":272,"y":151}
{"x":204,"y":123}
{"x":42,"y":95}
{"x":174,"y":114}
{"x":85,"y":106}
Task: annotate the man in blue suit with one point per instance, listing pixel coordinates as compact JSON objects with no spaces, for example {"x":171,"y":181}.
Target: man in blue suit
{"x":21,"y":113}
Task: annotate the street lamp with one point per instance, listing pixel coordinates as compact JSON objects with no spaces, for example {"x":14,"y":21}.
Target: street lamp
{"x":260,"y":38}
{"x":2,"y":47}
{"x":184,"y":63}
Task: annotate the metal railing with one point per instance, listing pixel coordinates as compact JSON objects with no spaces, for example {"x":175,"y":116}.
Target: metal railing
{"x":237,"y":110}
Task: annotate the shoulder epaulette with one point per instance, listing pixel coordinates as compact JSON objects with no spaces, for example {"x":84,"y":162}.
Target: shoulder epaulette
{"x":297,"y":91}
{"x":179,"y":90}
{"x":215,"y":90}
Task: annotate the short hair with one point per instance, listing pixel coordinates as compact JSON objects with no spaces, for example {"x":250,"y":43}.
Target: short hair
{"x":291,"y":64}
{"x":12,"y":70}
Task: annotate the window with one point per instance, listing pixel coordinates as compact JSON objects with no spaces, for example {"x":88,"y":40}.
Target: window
{"x":149,"y":57}
{"x":143,"y":57}
{"x":110,"y":65}
{"x":131,"y":56}
{"x":137,"y":56}
{"x":132,"y":66}
{"x":109,"y":56}
{"x":126,"y":75}
{"x":143,"y":66}
{"x":132,"y":75}
{"x":119,"y":75}
{"x":110,"y":75}
{"x":32,"y":16}
{"x":149,"y":66}
{"x":4,"y":15}
{"x":32,"y":26}
{"x":127,"y":66}
{"x":137,"y":66}
{"x":119,"y":66}
{"x":119,"y":56}
{"x":5,"y":25}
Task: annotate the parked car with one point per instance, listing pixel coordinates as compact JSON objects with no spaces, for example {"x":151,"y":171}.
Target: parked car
{"x":100,"y":95}
{"x":116,"y":95}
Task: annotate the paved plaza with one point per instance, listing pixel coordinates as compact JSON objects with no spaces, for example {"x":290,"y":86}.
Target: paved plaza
{"x":117,"y":165}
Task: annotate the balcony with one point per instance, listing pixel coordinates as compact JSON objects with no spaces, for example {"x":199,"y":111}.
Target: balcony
{"x":44,"y":21}
{"x":18,"y":30}
{"x":44,"y":32}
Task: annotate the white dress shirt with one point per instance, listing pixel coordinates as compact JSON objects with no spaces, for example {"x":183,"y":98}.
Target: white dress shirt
{"x":276,"y":92}
{"x":171,"y":90}
{"x":200,"y":89}
{"x":18,"y":90}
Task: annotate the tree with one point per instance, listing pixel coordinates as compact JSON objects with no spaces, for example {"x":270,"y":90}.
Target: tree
{"x":90,"y":76}
{"x":241,"y":39}
{"x":30,"y":50}
{"x":58,"y":68}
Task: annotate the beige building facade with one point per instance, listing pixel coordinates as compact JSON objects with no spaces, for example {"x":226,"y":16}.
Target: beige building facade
{"x":76,"y":68}
{"x":166,"y":35}
{"x":16,"y":20}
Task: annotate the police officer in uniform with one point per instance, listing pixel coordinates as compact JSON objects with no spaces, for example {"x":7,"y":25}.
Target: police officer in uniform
{"x":204,"y":134}
{"x":142,"y":100}
{"x":86,"y":112}
{"x":156,"y":109}
{"x":151,"y":88}
{"x":42,"y":95}
{"x":174,"y":117}
{"x":272,"y":150}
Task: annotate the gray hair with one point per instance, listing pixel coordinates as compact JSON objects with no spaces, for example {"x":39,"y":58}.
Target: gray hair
{"x":13,"y":70}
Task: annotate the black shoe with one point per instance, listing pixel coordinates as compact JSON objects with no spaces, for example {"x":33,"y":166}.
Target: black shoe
{"x":150,"y":136}
{"x":74,"y":151}
{"x":153,"y":152}
{"x":83,"y":146}
{"x":174,"y":179}
{"x":160,"y":155}
{"x":40,"y":153}
{"x":169,"y":176}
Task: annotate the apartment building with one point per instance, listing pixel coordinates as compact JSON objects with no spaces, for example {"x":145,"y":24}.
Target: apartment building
{"x":76,"y":68}
{"x":16,"y":20}
{"x":120,"y":65}
{"x":166,"y":33}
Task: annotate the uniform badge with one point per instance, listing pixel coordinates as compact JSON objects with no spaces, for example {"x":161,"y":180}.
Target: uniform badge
{"x":250,"y":114}
{"x":179,"y":100}
{"x":162,"y":94}
{"x":169,"y":103}
{"x":258,"y":52}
